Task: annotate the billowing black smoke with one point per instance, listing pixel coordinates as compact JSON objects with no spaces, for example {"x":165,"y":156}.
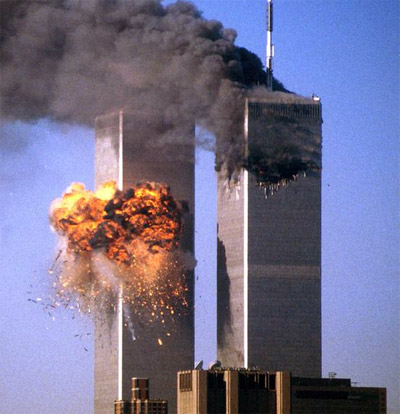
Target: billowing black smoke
{"x":72,"y":60}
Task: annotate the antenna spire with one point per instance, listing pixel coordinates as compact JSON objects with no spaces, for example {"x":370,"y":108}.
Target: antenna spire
{"x":270,"y":46}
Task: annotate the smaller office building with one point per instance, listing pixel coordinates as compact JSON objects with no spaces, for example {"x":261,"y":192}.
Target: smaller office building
{"x":245,"y":391}
{"x":140,"y":402}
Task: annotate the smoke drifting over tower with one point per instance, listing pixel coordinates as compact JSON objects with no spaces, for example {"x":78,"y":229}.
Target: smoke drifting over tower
{"x":72,"y":61}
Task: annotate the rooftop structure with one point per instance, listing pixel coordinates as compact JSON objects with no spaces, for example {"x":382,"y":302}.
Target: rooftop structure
{"x":140,"y":402}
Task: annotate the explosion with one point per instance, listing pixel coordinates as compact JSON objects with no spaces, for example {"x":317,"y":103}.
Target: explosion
{"x":117,"y":220}
{"x":121,"y":241}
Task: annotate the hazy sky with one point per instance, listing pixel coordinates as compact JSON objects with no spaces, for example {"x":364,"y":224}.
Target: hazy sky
{"x":345,"y":51}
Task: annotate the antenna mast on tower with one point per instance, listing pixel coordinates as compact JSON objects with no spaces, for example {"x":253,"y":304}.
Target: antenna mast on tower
{"x":270,"y":46}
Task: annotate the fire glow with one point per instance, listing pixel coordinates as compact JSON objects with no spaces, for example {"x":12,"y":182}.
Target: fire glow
{"x":115,"y":241}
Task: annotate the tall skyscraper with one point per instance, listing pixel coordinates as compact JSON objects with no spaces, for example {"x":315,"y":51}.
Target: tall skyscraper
{"x":269,"y":248}
{"x":125,"y":153}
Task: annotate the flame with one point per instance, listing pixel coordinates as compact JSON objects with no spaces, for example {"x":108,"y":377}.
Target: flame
{"x":116,"y":220}
{"x":115,"y":239}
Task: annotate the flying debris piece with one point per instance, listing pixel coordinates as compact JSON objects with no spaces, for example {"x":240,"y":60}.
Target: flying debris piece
{"x":51,"y":270}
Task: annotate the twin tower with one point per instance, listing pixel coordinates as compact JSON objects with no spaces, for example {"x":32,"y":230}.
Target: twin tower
{"x":269,"y":256}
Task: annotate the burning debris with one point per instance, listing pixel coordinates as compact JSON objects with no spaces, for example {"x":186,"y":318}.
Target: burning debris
{"x":120,"y":242}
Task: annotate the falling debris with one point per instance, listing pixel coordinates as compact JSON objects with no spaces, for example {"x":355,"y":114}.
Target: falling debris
{"x":51,"y":270}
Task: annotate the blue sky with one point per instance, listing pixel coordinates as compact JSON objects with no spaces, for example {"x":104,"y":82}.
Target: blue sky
{"x":347,"y":52}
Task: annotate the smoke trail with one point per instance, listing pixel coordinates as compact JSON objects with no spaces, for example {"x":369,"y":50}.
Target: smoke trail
{"x":73,"y":60}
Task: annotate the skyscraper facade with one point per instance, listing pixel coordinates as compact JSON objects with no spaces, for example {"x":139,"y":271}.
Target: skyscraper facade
{"x":269,"y":248}
{"x":125,"y":153}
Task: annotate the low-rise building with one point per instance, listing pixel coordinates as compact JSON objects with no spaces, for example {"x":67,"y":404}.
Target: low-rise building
{"x":245,"y":391}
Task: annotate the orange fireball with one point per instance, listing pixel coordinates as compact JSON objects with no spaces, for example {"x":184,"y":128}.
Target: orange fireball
{"x":116,"y":220}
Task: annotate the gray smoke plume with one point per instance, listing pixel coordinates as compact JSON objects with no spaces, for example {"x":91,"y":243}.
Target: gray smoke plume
{"x":73,"y":60}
